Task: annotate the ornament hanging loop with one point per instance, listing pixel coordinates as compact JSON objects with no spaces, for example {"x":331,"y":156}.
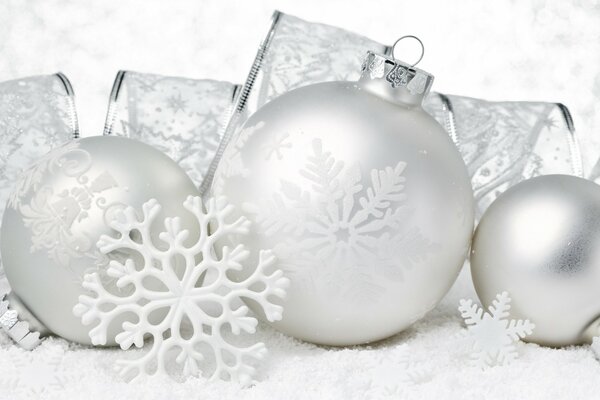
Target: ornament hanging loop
{"x":409,"y":37}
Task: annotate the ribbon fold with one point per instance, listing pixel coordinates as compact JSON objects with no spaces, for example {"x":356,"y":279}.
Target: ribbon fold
{"x":192,"y":120}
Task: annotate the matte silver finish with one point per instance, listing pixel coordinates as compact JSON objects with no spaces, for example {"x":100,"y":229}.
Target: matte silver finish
{"x":60,"y":208}
{"x":364,"y":199}
{"x":540,"y":241}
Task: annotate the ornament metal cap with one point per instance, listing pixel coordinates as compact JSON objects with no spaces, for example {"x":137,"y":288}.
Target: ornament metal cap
{"x":396,"y":80}
{"x":15,"y":327}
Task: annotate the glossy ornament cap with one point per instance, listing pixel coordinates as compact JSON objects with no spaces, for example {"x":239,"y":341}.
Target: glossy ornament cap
{"x":363,"y":197}
{"x":395,"y":80}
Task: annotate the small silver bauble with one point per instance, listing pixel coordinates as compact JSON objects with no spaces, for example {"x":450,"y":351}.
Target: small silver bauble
{"x":363,"y":197}
{"x":540,"y":242}
{"x":58,"y":211}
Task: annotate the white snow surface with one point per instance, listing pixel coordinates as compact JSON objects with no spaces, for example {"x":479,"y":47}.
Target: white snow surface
{"x":502,"y":50}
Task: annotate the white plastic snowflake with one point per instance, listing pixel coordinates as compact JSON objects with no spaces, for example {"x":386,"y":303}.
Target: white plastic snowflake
{"x":212,"y":309}
{"x":492,"y":333}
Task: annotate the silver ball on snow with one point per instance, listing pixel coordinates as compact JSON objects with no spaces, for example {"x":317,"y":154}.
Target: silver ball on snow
{"x":366,"y":203}
{"x":540,"y":241}
{"x":60,"y":208}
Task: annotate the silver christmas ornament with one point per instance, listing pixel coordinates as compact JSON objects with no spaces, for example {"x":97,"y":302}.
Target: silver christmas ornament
{"x":363,"y":197}
{"x":540,"y":242}
{"x":55,"y":216}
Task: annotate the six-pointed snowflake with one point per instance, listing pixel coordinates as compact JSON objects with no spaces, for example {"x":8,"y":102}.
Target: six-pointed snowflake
{"x":492,"y":333}
{"x":211,"y":310}
{"x":343,"y":223}
{"x":276,"y":146}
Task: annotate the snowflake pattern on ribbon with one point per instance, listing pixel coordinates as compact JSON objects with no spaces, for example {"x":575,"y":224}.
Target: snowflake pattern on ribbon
{"x":201,"y":295}
{"x":502,"y":143}
{"x":36,"y":115}
{"x":493,"y":334}
{"x":183,"y":118}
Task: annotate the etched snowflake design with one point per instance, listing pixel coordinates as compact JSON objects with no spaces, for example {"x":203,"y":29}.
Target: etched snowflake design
{"x":494,"y":335}
{"x":30,"y":178}
{"x":55,"y":217}
{"x":343,"y":223}
{"x":201,"y":296}
{"x":276,"y":146}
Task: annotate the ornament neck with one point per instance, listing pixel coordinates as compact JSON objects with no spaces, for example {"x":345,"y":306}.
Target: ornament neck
{"x":382,"y":89}
{"x":394,"y":80}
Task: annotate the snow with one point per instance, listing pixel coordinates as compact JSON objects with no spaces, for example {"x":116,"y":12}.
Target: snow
{"x":499,"y":50}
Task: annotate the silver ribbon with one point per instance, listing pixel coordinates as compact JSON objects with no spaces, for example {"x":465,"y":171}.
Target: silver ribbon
{"x":192,"y":120}
{"x":184,"y":118}
{"x":502,"y":143}
{"x":36,"y":115}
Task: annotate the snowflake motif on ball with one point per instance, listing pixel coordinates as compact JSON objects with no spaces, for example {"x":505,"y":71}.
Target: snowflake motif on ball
{"x":276,"y":147}
{"x":186,"y":299}
{"x":345,"y":221}
{"x":493,"y":334}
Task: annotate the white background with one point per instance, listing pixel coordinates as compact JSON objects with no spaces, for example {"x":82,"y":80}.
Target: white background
{"x":501,"y":50}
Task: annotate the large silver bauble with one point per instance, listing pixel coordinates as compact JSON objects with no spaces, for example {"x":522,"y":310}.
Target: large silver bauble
{"x":540,"y":242}
{"x":366,"y":202}
{"x":59,"y":210}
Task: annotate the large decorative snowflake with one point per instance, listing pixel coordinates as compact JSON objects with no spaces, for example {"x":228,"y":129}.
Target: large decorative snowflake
{"x":345,"y":222}
{"x":492,"y":333}
{"x":201,"y":296}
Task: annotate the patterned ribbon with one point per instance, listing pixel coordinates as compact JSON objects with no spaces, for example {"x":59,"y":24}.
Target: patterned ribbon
{"x":36,"y":115}
{"x":192,"y":120}
{"x":185,"y":118}
{"x":502,"y":143}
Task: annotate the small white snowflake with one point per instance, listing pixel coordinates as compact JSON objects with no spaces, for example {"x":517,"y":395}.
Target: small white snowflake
{"x":211,"y":309}
{"x":494,"y":335}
